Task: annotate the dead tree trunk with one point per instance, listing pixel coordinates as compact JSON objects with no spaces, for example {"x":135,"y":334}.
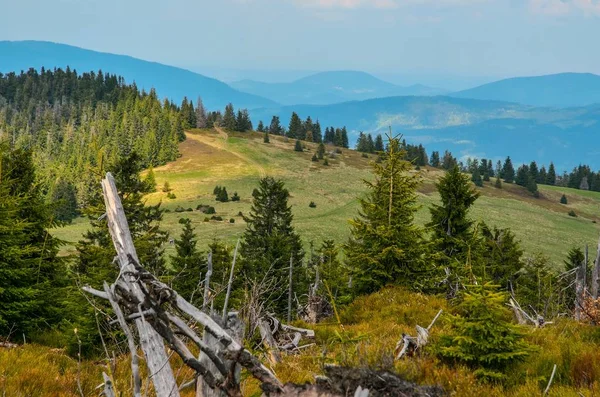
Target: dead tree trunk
{"x":151,"y":342}
{"x":596,"y":274}
{"x":580,"y":288}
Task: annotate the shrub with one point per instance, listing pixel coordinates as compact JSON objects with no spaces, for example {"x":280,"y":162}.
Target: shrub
{"x":231,"y":220}
{"x":573,"y":214}
{"x":222,"y":195}
{"x":166,"y":187}
{"x":338,"y":150}
{"x":217,"y":190}
{"x":298,"y":146}
{"x":314,"y":157}
{"x":179,"y":209}
{"x":206,"y":219}
{"x":312,"y":204}
{"x":171,"y":196}
{"x":167,"y":210}
{"x":189,"y":210}
{"x":210,"y":210}
{"x":240,"y":213}
{"x":326,"y":163}
{"x":498,"y":184}
{"x":365,"y":155}
{"x":563,"y":199}
{"x":235,"y":197}
{"x":216,"y":218}
{"x":482,"y":335}
{"x":266,"y":138}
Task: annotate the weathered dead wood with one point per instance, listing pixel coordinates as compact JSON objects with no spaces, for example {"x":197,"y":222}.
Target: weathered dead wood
{"x":409,"y":345}
{"x":8,"y":345}
{"x":290,"y":290}
{"x":580,"y":289}
{"x":230,"y":283}
{"x":523,"y":317}
{"x":151,"y":343}
{"x":550,"y":381}
{"x":108,"y":391}
{"x":268,"y":342}
{"x":135,"y":367}
{"x":207,"y":281}
{"x":596,"y":274}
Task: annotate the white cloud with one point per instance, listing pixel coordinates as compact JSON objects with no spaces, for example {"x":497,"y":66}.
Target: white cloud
{"x":565,"y":7}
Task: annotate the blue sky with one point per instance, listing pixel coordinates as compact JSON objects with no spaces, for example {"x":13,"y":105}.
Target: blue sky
{"x":429,"y":40}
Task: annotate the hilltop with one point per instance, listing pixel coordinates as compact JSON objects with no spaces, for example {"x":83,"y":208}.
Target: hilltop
{"x":557,"y":90}
{"x":169,"y":81}
{"x":238,"y":160}
{"x":331,"y":87}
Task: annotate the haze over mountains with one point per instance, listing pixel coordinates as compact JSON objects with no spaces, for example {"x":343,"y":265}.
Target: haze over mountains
{"x":332,"y":87}
{"x":557,"y":116}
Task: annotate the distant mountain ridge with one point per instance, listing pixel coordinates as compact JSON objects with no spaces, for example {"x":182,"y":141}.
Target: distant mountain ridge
{"x":467,"y":127}
{"x":169,"y":81}
{"x":331,"y":87}
{"x":558,"y":90}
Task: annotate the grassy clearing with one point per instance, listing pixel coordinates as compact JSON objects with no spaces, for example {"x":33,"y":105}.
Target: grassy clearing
{"x":237,"y":161}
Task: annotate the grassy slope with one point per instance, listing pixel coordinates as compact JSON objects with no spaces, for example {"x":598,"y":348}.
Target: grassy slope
{"x":237,"y":161}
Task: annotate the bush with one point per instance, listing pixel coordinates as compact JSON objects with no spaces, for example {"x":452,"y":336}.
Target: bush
{"x":240,"y":213}
{"x":222,"y":195}
{"x":171,"y":196}
{"x":298,"y":146}
{"x":206,"y":219}
{"x":266,"y":138}
{"x":179,"y":209}
{"x":498,"y":184}
{"x":166,"y":187}
{"x":167,"y":210}
{"x":573,"y":214}
{"x":312,"y":204}
{"x":216,"y":218}
{"x":563,"y":199}
{"x":365,"y":155}
{"x":235,"y":197}
{"x":189,"y":210}
{"x":231,"y":220}
{"x":326,"y":163}
{"x":338,"y":150}
{"x":482,"y":335}
{"x":314,"y":157}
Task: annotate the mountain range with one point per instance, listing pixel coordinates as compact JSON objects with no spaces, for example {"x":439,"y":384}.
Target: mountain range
{"x":169,"y":81}
{"x":554,"y":117}
{"x":332,"y":87}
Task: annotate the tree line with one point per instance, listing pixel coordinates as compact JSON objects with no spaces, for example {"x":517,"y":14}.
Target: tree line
{"x":78,"y":124}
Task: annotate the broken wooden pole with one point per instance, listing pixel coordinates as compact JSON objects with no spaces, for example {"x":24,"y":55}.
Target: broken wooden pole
{"x":151,"y":342}
{"x":209,"y":271}
{"x":596,"y":274}
{"x":229,"y":284}
{"x":268,"y":341}
{"x":290,"y":291}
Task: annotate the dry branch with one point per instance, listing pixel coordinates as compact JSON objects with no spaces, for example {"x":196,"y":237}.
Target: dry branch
{"x":408,"y":345}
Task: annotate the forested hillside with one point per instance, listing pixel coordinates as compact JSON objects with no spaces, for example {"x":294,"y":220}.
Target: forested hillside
{"x":79,"y":124}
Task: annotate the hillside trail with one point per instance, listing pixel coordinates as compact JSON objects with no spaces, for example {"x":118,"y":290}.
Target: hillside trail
{"x":222,"y":145}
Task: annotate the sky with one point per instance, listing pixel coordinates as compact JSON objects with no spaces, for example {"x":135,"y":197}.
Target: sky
{"x":440,"y":42}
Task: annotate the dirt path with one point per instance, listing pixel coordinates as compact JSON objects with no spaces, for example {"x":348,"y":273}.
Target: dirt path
{"x":222,"y":144}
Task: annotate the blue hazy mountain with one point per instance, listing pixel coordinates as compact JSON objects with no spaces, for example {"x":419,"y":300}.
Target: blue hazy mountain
{"x":169,"y":81}
{"x":331,"y":87}
{"x":467,"y":127}
{"x":559,"y":90}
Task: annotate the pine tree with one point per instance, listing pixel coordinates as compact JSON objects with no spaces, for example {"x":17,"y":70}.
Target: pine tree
{"x":452,"y":232}
{"x":186,"y":264}
{"x":345,"y":142}
{"x":435,"y":159}
{"x":261,"y":127}
{"x":321,"y":151}
{"x":307,"y":130}
{"x":476,"y":177}
{"x":371,"y":144}
{"x":385,"y":244}
{"x":266,"y":138}
{"x":270,"y":239}
{"x":448,"y":161}
{"x":317,"y":133}
{"x":482,"y":336}
{"x":150,"y":181}
{"x":229,"y":121}
{"x":166,"y":187}
{"x":338,"y":139}
{"x":32,"y":276}
{"x":275,"y":126}
{"x":534,"y":173}
{"x":222,"y":195}
{"x":542,"y":176}
{"x":563,"y":199}
{"x":295,"y":129}
{"x":201,"y":121}
{"x":522,"y":178}
{"x":64,"y":200}
{"x":333,"y":273}
{"x":379,"y":144}
{"x":498,"y":184}
{"x":501,"y":262}
{"x":314,"y":158}
{"x":508,"y":171}
{"x":298,"y":146}
{"x":551,"y":176}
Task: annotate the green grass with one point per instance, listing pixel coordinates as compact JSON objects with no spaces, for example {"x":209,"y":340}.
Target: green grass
{"x":238,"y":162}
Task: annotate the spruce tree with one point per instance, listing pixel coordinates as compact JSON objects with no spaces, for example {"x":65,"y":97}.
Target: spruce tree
{"x":345,"y":142}
{"x":270,"y":240}
{"x":317,"y":133}
{"x":150,"y":181}
{"x":295,"y":130}
{"x":452,"y":230}
{"x":229,"y":121}
{"x":501,"y":260}
{"x":385,"y":244}
{"x":508,"y":171}
{"x":563,"y":199}
{"x":186,"y":264}
{"x":522,"y":178}
{"x":266,"y":138}
{"x":379,"y":144}
{"x":534,"y":172}
{"x":201,"y":121}
{"x":542,"y":176}
{"x":298,"y":146}
{"x":435,"y":159}
{"x":498,"y":184}
{"x":476,"y":177}
{"x":482,"y":335}
{"x":551,"y":176}
{"x":275,"y":126}
{"x":448,"y":161}
{"x":321,"y":151}
{"x":64,"y":201}
{"x":261,"y":127}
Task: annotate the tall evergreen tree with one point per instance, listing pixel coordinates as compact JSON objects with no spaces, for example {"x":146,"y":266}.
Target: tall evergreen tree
{"x":317,"y":133}
{"x":295,"y":130}
{"x":452,"y":230}
{"x":385,"y":244}
{"x":229,"y":120}
{"x":551,"y":176}
{"x":435,"y":159}
{"x":379,"y":144}
{"x":508,"y":171}
{"x":270,"y":239}
{"x":187,"y":263}
{"x":345,"y":142}
{"x":501,"y":260}
{"x":261,"y":127}
{"x":64,"y":200}
{"x":201,"y":121}
{"x":275,"y":126}
{"x":522,"y":178}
